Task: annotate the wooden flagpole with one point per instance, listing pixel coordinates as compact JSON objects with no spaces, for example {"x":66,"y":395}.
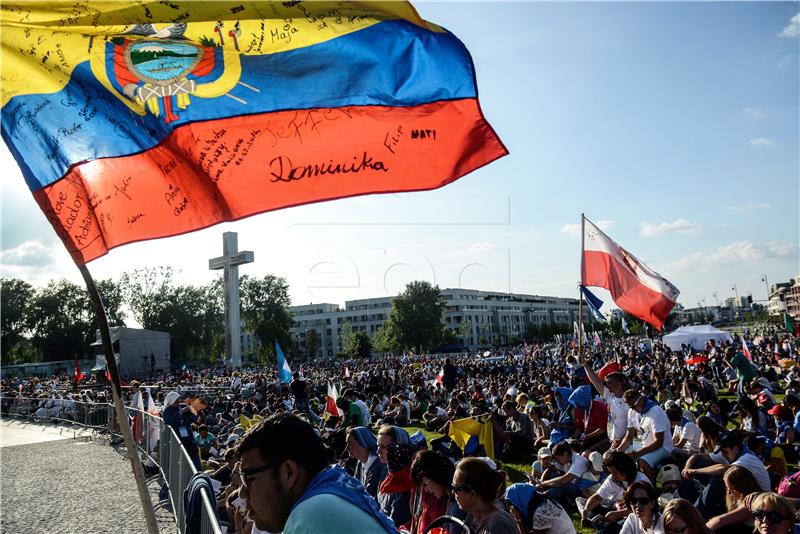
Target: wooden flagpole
{"x":116,"y":392}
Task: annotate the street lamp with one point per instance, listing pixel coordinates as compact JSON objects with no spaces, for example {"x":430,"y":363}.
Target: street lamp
{"x":766,"y":283}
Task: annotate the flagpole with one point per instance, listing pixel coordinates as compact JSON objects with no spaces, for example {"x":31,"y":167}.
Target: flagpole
{"x":580,"y":298}
{"x":116,"y":392}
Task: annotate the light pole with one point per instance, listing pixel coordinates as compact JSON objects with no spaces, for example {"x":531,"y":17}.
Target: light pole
{"x":766,"y":284}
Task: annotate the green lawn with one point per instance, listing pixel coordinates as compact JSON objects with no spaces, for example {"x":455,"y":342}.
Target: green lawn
{"x":515,"y":472}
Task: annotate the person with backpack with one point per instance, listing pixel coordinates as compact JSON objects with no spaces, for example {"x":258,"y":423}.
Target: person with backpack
{"x":536,"y":512}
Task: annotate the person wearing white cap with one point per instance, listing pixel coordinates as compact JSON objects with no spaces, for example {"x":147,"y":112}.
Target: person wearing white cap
{"x":543,"y":462}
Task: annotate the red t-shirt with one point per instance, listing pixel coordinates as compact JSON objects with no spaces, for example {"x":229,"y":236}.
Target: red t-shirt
{"x":598,"y":417}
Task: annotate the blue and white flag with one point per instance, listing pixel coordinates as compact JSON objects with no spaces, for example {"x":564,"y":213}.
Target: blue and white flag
{"x":594,"y":304}
{"x":284,"y":372}
{"x":625,"y":326}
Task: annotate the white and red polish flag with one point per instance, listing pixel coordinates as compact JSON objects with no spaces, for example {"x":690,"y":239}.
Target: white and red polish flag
{"x":440,"y":377}
{"x":330,"y":405}
{"x":635,"y":287}
{"x":745,"y":350}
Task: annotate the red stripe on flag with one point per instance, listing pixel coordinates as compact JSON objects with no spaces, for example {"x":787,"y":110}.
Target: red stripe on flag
{"x":208,"y":172}
{"x":602,"y":270}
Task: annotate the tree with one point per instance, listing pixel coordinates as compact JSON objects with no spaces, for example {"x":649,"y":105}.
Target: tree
{"x":265,"y":311}
{"x":147,"y":292}
{"x":192,"y":315}
{"x":312,"y":343}
{"x":357,"y":345}
{"x":61,"y":320}
{"x":14,"y":304}
{"x":415,"y":319}
{"x":383,"y":341}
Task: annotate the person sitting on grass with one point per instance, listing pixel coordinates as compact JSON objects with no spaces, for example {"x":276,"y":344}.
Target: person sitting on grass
{"x":536,"y":512}
{"x":566,"y":487}
{"x":644,"y":517}
{"x":517,"y":436}
{"x":622,"y":473}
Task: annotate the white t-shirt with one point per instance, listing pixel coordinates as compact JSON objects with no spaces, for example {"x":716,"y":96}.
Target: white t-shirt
{"x":578,"y":466}
{"x":690,"y":432}
{"x":613,"y":491}
{"x":650,"y":424}
{"x":753,"y":463}
{"x":617,"y":415}
{"x":633,"y":525}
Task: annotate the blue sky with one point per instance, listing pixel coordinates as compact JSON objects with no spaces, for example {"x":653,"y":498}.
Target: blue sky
{"x":674,"y":123}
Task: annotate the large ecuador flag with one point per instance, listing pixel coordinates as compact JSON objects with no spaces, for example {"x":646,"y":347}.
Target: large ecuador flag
{"x":635,"y":287}
{"x":138,"y":120}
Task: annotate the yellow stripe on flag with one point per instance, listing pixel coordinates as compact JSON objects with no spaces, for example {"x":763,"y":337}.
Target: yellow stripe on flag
{"x":46,"y":40}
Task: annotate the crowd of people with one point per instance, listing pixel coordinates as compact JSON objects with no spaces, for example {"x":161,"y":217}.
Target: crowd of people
{"x":621,"y":436}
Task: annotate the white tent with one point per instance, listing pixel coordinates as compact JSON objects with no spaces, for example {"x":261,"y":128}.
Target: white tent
{"x":696,"y":336}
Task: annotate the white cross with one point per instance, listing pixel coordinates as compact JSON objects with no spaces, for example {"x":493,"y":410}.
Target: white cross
{"x":229,"y":262}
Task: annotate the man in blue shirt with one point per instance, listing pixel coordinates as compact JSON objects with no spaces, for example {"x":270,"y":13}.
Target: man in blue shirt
{"x":289,"y":487}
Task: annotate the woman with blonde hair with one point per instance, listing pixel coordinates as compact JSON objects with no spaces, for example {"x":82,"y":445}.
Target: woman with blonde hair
{"x":680,"y":517}
{"x":739,"y":483}
{"x":772,"y":513}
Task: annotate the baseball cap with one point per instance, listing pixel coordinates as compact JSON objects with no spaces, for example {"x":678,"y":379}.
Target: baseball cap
{"x":545,"y":452}
{"x":778,"y":410}
{"x":728,"y":439}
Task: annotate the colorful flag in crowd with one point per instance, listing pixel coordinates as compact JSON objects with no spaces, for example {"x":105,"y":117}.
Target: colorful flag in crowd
{"x":789,"y":324}
{"x":625,"y":326}
{"x":284,"y":372}
{"x":78,"y":373}
{"x":440,"y":377}
{"x":635,"y":287}
{"x":594,"y":304}
{"x":153,"y":429}
{"x":139,"y":120}
{"x":597,"y":340}
{"x":471,"y":433}
{"x":746,"y":350}
{"x":137,"y":409}
{"x":330,"y":405}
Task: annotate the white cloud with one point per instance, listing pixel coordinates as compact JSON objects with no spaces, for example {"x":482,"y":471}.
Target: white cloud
{"x":749,"y":207}
{"x":793,"y":29}
{"x":28,"y":254}
{"x":761,"y":141}
{"x":755,"y":113}
{"x":734,"y":253}
{"x":678,"y":226}
{"x":574,"y":230}
{"x":480,"y":248}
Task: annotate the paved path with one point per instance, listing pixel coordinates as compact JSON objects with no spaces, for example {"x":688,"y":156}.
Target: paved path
{"x":18,"y":432}
{"x":52,"y":484}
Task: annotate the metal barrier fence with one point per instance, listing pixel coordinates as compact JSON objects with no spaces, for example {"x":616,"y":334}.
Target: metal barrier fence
{"x":158,"y":445}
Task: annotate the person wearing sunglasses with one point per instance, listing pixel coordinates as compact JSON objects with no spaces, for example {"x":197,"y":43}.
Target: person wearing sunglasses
{"x":680,"y":517}
{"x":644,"y":517}
{"x":773,"y":514}
{"x":288,"y":487}
{"x":476,"y":487}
